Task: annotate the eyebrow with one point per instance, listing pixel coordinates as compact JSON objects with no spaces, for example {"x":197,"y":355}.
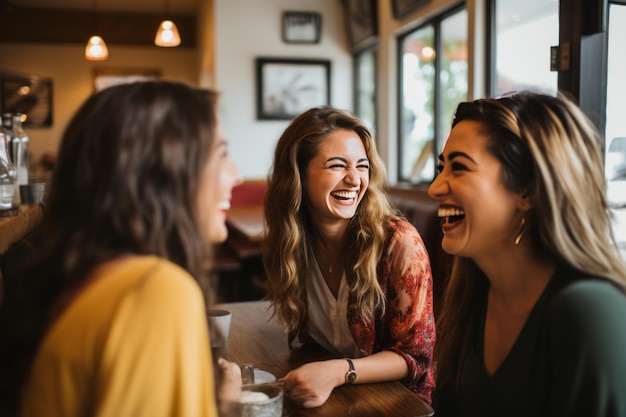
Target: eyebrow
{"x":344,"y":160}
{"x":457,"y":155}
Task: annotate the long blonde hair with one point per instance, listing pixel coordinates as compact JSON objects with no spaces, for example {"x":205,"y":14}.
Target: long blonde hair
{"x":546,"y":145}
{"x":289,"y":233}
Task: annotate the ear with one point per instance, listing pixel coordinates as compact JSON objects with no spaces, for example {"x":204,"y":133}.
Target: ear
{"x":525,"y":202}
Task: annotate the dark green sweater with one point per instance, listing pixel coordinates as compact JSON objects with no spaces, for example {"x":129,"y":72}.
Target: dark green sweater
{"x":568,"y":360}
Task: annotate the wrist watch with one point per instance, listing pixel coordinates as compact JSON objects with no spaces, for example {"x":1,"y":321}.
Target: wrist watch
{"x":351,"y":374}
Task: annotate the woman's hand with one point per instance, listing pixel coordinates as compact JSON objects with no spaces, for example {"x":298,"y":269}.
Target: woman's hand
{"x":311,"y":384}
{"x":229,"y":390}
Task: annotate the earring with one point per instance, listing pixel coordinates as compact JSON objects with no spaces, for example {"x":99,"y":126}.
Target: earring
{"x":521,"y":232}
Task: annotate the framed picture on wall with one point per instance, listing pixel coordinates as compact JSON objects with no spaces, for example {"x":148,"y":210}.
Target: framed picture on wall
{"x":302,"y":27}
{"x":361,"y":22}
{"x":402,"y":8}
{"x":288,"y":87}
{"x":31,"y":96}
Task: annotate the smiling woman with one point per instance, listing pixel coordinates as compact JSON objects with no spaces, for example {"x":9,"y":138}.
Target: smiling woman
{"x":536,"y":268}
{"x":343,"y":268}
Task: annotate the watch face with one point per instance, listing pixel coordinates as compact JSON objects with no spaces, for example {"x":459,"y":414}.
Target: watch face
{"x":350,"y":377}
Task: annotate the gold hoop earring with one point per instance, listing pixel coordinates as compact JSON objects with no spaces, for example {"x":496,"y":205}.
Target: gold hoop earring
{"x":521,"y":232}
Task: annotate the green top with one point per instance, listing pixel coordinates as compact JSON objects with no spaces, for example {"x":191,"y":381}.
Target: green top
{"x":568,"y":360}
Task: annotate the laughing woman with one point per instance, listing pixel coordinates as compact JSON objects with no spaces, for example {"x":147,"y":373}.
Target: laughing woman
{"x":343,"y":269}
{"x":109,"y":319}
{"x":533,"y":318}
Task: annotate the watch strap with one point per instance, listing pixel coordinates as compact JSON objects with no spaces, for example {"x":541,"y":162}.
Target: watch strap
{"x":351,"y":374}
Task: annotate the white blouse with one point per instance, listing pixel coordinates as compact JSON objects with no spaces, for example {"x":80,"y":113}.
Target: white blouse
{"x":327,"y":317}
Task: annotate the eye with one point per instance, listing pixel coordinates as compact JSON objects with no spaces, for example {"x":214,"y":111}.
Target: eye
{"x":337,"y":166}
{"x":457,"y":166}
{"x":363,"y":167}
{"x":439,"y":168}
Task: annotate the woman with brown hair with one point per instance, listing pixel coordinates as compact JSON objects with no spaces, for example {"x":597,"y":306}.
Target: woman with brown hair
{"x":109,"y":318}
{"x":344,"y":270}
{"x":533,"y":317}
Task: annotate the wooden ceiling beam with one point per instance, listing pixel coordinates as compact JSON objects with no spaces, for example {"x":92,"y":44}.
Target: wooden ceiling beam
{"x":34,"y":25}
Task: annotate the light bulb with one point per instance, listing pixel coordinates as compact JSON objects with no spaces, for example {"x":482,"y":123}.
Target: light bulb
{"x":96,"y":49}
{"x":167,"y":35}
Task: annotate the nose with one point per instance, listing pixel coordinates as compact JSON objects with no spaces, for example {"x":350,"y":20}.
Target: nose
{"x":352,"y":177}
{"x":439,"y":187}
{"x":236,"y":173}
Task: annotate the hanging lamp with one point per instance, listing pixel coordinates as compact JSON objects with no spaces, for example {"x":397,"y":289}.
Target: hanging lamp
{"x":96,"y":49}
{"x":167,"y":35}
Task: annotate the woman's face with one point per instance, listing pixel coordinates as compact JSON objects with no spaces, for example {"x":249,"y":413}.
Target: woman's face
{"x":219,"y":176}
{"x":480,"y":216}
{"x":337,"y":177}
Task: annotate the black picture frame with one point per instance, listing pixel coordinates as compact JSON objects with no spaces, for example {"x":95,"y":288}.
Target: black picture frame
{"x":301,"y":27}
{"x":31,"y":96}
{"x":361,"y":21}
{"x":402,"y":8}
{"x":288,"y":87}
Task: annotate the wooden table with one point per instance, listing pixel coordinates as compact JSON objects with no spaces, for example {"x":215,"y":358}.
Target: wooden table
{"x":254,"y":338}
{"x":247,"y":221}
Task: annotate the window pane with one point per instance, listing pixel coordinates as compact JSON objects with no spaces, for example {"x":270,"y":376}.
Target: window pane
{"x":525,"y":31}
{"x":616,"y":123}
{"x":434,"y":53}
{"x":418,"y":87}
{"x":366,"y":87}
{"x":453,"y":73}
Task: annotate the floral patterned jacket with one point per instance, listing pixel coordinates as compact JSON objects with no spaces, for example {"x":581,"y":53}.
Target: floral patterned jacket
{"x":408,"y":325}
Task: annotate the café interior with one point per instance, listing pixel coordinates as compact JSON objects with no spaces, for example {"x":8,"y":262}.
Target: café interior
{"x":402,"y":66}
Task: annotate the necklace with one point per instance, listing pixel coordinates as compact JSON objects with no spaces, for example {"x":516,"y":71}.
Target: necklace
{"x":319,"y":257}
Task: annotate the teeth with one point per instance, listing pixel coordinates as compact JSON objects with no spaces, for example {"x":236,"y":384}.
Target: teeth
{"x":345,"y":194}
{"x":446,"y":212}
{"x":224,"y":205}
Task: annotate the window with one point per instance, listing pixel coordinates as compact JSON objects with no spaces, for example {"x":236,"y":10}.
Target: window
{"x":615,"y":123}
{"x":524,"y":64}
{"x":433,"y":80}
{"x":365,"y":86}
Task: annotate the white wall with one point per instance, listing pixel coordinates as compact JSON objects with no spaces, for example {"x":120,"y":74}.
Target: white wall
{"x":248,"y":29}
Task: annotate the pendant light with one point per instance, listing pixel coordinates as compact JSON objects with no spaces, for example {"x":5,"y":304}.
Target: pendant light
{"x":167,"y":35}
{"x":96,"y":49}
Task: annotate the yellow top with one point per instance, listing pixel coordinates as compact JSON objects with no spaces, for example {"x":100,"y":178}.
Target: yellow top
{"x":134,"y":342}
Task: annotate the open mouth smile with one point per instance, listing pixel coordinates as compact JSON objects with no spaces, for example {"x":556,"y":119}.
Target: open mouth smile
{"x":344,"y":196}
{"x":450,"y":215}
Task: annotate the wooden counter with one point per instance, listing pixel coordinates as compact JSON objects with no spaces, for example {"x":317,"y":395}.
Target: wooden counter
{"x":13,"y":228}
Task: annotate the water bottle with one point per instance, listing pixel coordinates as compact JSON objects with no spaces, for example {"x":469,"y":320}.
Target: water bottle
{"x":20,"y":149}
{"x":8,"y":175}
{"x":6,"y":129}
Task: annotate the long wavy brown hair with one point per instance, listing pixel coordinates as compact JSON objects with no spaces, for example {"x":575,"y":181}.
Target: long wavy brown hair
{"x":289,"y":233}
{"x":546,"y":145}
{"x":126,"y":182}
